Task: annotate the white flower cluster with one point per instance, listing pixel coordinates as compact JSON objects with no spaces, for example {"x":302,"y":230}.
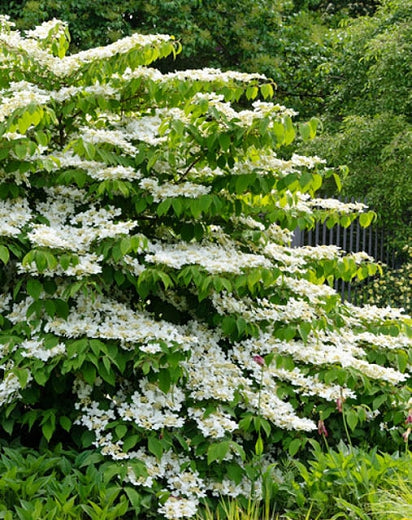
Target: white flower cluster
{"x":244,"y":118}
{"x":146,"y":129}
{"x":325,"y":349}
{"x":261,"y":309}
{"x":63,"y":67}
{"x":95,"y":225}
{"x":41,"y":32}
{"x":302,"y":203}
{"x":14,"y":215}
{"x":307,"y":385}
{"x":34,"y":348}
{"x":110,"y":319}
{"x":10,"y":387}
{"x":96,"y":170}
{"x":215,"y":424}
{"x":178,"y":507}
{"x":113,"y":137}
{"x":87,"y":264}
{"x":152,"y":409}
{"x":208,"y":74}
{"x":22,"y":93}
{"x":337,"y":205}
{"x":167,"y":190}
{"x":213,"y":258}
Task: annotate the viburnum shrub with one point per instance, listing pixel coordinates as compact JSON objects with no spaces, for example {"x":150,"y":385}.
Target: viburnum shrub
{"x":152,"y":305}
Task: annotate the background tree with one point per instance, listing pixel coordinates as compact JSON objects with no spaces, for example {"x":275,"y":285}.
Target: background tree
{"x":367,"y":114}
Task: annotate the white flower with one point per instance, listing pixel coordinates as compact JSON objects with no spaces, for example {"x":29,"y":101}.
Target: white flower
{"x":167,"y":190}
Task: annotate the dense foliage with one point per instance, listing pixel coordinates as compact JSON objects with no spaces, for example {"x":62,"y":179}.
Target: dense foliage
{"x":393,"y":288}
{"x":151,"y":306}
{"x":367,"y":115}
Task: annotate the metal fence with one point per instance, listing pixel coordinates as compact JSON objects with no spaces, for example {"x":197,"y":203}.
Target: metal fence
{"x":351,"y":239}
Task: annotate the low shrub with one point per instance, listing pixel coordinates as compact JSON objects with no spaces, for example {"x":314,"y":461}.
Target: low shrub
{"x":393,"y":288}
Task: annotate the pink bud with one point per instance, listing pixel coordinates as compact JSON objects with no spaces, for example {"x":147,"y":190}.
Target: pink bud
{"x":409,"y":418}
{"x":322,"y":428}
{"x":339,"y":404}
{"x":259,"y":360}
{"x":406,"y":434}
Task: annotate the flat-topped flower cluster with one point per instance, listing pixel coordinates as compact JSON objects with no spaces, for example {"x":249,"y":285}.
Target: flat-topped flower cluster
{"x":150,"y":296}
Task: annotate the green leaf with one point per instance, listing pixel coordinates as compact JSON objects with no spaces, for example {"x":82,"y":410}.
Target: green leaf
{"x":352,"y":419}
{"x":22,"y":375}
{"x":304,"y":329}
{"x":49,"y":427}
{"x":217,"y":451}
{"x":65,"y":423}
{"x":164,"y":380}
{"x":120,"y":430}
{"x":4,"y":254}
{"x":130,"y":442}
{"x":252,"y":92}
{"x":259,"y":446}
{"x":267,"y":90}
{"x":20,"y":149}
{"x":294,"y":447}
{"x":365,"y":219}
{"x":224,"y":141}
{"x":87,"y":438}
{"x":235,"y":472}
{"x":135,"y":499}
{"x":34,"y":288}
{"x":155,"y":446}
{"x":89,"y":373}
{"x":304,"y":131}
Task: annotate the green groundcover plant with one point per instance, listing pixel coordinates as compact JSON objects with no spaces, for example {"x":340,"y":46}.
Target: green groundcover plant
{"x":392,"y":288}
{"x":152,"y":306}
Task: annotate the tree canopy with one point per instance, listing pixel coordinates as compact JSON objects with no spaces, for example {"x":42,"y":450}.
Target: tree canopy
{"x":367,"y":115}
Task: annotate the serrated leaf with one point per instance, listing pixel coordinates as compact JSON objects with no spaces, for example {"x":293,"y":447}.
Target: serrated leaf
{"x":130,"y":442}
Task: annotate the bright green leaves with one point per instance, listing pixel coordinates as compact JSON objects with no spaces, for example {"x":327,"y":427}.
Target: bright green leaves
{"x":365,"y":219}
{"x":42,"y":258}
{"x":4,"y":254}
{"x":206,"y":205}
{"x":34,"y":288}
{"x":219,"y":450}
{"x":267,"y":90}
{"x":23,"y":119}
{"x":91,"y":358}
{"x":252,"y":92}
{"x":149,"y":280}
{"x":308,"y":130}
